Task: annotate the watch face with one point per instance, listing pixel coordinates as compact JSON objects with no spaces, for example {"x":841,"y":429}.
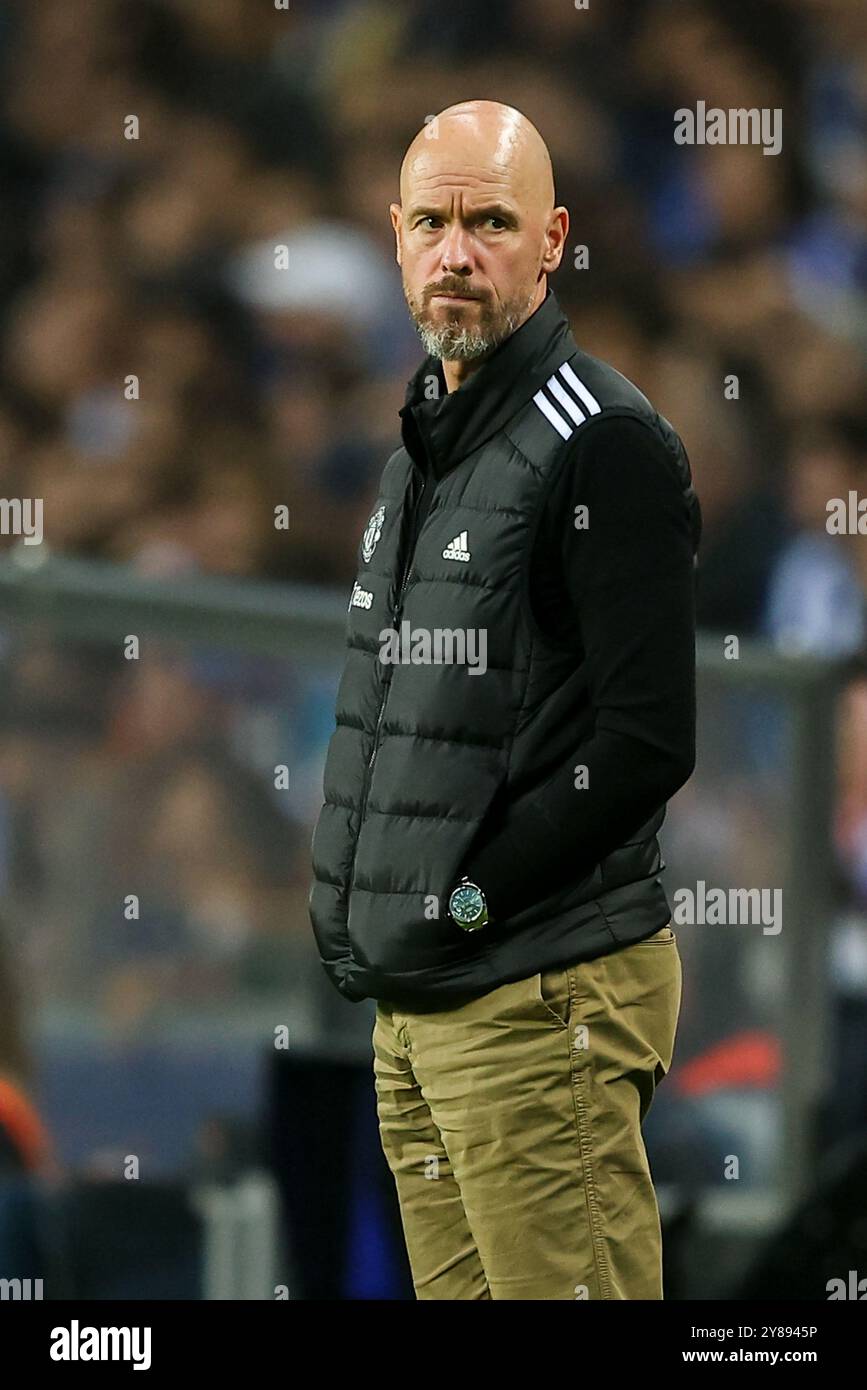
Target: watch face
{"x":466,"y":905}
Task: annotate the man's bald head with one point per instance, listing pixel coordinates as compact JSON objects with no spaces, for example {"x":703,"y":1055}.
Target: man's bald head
{"x":491,"y":135}
{"x":476,"y":229}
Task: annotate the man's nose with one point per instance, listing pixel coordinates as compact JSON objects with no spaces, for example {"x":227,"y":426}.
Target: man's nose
{"x":456,"y":251}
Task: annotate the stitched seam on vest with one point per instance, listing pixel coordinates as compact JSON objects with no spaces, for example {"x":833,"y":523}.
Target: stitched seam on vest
{"x":358,"y":646}
{"x":523,"y":671}
{"x":536,"y":634}
{"x":390,"y":893}
{"x":495,"y":509}
{"x":420,"y":815}
{"x":531,"y":627}
{"x":491,"y":666}
{"x":459,"y":577}
{"x":444,"y":738}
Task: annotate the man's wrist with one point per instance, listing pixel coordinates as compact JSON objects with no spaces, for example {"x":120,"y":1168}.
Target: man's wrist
{"x":468,"y":907}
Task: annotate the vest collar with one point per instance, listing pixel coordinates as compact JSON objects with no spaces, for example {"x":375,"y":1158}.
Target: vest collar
{"x":445,"y":430}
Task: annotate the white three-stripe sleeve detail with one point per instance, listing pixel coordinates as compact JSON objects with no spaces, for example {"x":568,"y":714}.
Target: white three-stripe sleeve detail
{"x":552,"y":415}
{"x":586,"y":397}
{"x":565,"y":400}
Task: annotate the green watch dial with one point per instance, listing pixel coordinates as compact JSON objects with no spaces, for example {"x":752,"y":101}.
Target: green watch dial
{"x":467,"y":906}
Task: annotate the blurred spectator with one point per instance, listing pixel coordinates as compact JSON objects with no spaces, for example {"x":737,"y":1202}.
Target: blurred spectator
{"x":25,"y":1145}
{"x":259,"y":383}
{"x":816,"y":601}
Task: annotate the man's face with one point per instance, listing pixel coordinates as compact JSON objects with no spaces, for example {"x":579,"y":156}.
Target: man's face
{"x":470,"y":251}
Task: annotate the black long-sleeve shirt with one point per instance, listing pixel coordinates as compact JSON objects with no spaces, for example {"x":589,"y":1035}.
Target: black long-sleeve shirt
{"x":621,"y":590}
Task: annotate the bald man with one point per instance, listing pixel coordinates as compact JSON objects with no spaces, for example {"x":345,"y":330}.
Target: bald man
{"x":517,"y":705}
{"x":461,"y":320}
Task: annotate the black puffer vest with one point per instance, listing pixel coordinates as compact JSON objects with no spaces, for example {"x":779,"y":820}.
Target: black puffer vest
{"x":422,"y":747}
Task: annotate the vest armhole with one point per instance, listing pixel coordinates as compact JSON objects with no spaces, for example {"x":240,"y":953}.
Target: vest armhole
{"x":569,"y":454}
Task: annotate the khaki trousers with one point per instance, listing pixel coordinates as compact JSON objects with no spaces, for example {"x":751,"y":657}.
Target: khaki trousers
{"x":512,"y":1126}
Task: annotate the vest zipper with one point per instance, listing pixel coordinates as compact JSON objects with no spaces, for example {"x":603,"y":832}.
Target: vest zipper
{"x":386,"y":678}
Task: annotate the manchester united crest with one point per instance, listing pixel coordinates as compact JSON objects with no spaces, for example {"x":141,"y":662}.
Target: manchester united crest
{"x":372,"y":533}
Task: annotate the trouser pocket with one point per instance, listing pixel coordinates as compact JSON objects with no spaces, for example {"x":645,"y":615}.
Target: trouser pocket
{"x":555,"y":991}
{"x":659,"y":938}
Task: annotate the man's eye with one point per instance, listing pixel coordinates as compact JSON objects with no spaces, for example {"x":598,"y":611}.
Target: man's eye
{"x":431,"y":218}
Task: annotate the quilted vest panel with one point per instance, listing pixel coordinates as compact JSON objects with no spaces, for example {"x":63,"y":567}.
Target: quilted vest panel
{"x":422,"y":747}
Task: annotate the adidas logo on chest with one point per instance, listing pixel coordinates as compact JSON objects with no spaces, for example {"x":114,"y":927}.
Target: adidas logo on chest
{"x":457,"y":548}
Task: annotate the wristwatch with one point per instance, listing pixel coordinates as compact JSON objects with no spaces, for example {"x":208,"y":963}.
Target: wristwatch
{"x":467,"y":906}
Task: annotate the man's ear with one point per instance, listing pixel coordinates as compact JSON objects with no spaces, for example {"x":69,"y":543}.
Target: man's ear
{"x":556,"y":240}
{"x":396,"y":212}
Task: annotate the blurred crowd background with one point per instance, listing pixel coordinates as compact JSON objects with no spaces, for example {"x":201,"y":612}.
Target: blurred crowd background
{"x":259,"y":127}
{"x":153,"y":257}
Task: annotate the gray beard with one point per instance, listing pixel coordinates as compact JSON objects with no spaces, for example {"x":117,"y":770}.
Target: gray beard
{"x":453,"y":343}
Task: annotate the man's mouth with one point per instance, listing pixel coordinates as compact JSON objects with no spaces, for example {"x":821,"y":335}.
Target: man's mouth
{"x":463,"y":298}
